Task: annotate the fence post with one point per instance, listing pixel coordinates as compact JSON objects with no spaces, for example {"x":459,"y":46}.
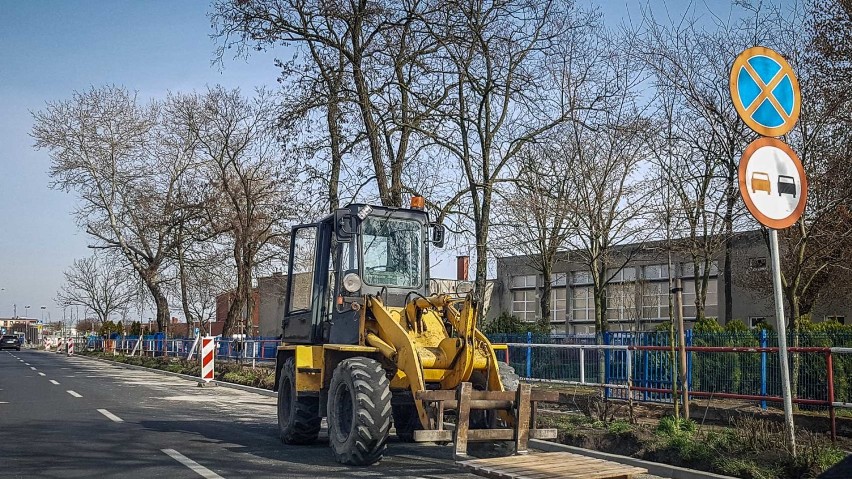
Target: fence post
{"x":529,"y":354}
{"x":830,"y":380}
{"x":647,"y":382}
{"x":582,"y":366}
{"x":763,"y":344}
{"x":689,"y":360}
{"x":606,"y":340}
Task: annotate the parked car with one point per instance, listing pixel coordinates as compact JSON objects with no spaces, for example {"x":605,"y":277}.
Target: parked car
{"x":10,"y":342}
{"x":760,"y":182}
{"x":786,"y":185}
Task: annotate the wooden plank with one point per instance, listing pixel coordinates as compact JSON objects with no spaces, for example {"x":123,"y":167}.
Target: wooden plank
{"x":522,"y":420}
{"x":449,"y":395}
{"x":433,"y":435}
{"x":481,"y":435}
{"x":544,"y":396}
{"x":482,"y":404}
{"x":463,"y":419}
{"x":543,"y":433}
{"x":563,"y":465}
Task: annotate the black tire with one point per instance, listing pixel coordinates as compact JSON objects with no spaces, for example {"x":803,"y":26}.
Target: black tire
{"x":490,"y":419}
{"x":359,"y":411}
{"x":406,"y":421}
{"x":298,"y":416}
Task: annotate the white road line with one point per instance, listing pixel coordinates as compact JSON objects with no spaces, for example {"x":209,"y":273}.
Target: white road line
{"x":41,"y":374}
{"x":54,"y":382}
{"x":32,"y":368}
{"x":73,"y":394}
{"x":194,"y":466}
{"x":110,"y":415}
{"x":26,"y":364}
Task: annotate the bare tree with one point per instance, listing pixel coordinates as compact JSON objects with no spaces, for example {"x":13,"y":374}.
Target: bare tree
{"x":236,"y":143}
{"x":534,"y":217}
{"x":128,"y":170}
{"x":693,"y":64}
{"x":504,"y":94}
{"x":363,"y":55}
{"x":100,"y":284}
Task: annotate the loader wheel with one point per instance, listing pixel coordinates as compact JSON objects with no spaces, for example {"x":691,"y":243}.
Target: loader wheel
{"x":406,"y":421}
{"x":298,"y":416}
{"x":359,"y":411}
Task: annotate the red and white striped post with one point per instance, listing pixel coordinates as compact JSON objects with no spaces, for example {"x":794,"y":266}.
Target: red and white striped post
{"x":208,"y":358}
{"x":70,"y":346}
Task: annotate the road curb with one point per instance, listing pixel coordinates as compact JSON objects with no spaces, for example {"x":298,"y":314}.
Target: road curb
{"x":655,"y":468}
{"x":250,"y":389}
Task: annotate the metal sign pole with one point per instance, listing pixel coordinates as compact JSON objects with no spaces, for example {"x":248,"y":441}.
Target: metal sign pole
{"x":782,"y":340}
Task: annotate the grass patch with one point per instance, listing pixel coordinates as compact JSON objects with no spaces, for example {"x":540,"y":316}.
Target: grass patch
{"x":260,"y":377}
{"x":749,"y":449}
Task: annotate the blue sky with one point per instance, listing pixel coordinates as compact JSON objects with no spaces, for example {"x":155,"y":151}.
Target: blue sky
{"x":48,"y":49}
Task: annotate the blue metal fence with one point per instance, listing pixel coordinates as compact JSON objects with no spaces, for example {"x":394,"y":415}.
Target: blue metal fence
{"x":747,"y":373}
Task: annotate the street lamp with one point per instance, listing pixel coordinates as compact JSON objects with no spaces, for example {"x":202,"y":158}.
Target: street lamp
{"x":27,"y":311}
{"x":42,"y":313}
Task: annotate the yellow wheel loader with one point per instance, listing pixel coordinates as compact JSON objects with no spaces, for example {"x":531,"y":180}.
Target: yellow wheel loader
{"x":366,"y":345}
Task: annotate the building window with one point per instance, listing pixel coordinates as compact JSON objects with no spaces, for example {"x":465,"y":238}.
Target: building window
{"x":757,"y":263}
{"x":689,"y":293}
{"x":527,"y":281}
{"x":582,"y":304}
{"x":656,"y":271}
{"x":834,"y":317}
{"x":655,"y":301}
{"x":523,"y":305}
{"x":623,"y":274}
{"x":559,"y":279}
{"x":755,"y":321}
{"x":581,"y":277}
{"x":621,"y":302}
{"x":558,"y":299}
{"x":688,"y":269}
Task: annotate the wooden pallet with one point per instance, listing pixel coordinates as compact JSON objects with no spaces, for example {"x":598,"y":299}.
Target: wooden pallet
{"x":550,"y":465}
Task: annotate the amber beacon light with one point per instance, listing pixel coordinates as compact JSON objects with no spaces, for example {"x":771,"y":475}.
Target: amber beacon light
{"x":418,"y":202}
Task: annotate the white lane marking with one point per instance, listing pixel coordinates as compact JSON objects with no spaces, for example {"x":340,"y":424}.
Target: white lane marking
{"x":192,"y":465}
{"x":73,"y":394}
{"x":54,"y":382}
{"x":32,"y":368}
{"x":110,"y":415}
{"x":26,"y":364}
{"x":3,"y":402}
{"x":41,"y":374}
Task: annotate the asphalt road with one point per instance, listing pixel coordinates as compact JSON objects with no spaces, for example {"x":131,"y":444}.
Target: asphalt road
{"x":74,"y":417}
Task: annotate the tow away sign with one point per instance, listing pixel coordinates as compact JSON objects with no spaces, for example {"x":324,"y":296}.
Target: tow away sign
{"x":765,"y":91}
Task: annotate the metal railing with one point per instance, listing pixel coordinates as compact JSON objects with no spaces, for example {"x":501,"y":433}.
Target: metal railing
{"x":643,"y":372}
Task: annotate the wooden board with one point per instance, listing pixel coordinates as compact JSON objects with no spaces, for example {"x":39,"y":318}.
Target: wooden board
{"x":550,"y":465}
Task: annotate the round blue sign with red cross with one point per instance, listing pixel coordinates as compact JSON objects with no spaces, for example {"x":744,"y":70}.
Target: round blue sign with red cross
{"x":765,"y":91}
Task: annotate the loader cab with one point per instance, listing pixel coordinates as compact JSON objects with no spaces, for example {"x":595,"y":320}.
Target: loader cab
{"x":356,"y":251}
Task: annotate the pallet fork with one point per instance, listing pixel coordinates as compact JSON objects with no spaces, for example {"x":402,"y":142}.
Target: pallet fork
{"x":517,"y":409}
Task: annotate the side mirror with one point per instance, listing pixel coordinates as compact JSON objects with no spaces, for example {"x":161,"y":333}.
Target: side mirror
{"x":438,"y":233}
{"x":345,"y":225}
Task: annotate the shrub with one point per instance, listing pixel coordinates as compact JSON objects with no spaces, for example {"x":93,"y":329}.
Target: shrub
{"x":619,"y":427}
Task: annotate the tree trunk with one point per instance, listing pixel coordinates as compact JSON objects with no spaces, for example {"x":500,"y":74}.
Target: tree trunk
{"x":162,"y":304}
{"x":184,"y":287}
{"x":482,"y":253}
{"x":544,"y":300}
{"x":794,"y":328}
{"x":729,"y":246}
{"x":332,"y":114}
